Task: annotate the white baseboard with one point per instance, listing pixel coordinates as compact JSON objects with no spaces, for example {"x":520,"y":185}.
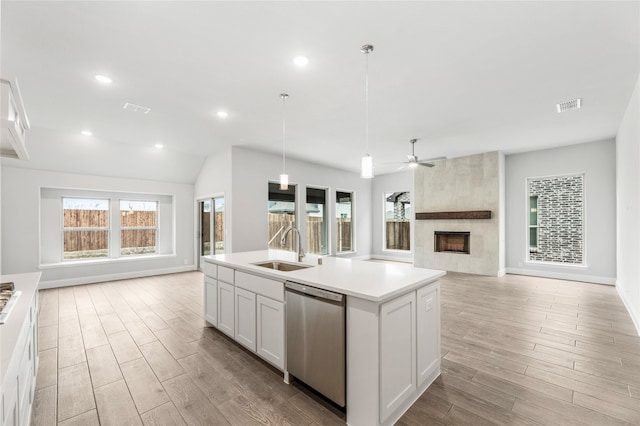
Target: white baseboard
{"x":562,"y":276}
{"x":501,"y":272}
{"x":113,"y":277}
{"x":632,"y":314}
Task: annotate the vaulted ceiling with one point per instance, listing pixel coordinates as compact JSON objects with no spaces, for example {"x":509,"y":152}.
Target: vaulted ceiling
{"x":462,"y":77}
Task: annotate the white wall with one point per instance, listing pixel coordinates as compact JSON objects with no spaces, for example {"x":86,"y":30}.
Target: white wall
{"x":393,"y":182}
{"x":628,"y":207}
{"x":597,"y":161}
{"x":214,"y":179}
{"x":246,"y":212}
{"x":21,"y":218}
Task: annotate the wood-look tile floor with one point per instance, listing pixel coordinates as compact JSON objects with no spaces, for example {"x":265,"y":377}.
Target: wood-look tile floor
{"x":515,"y":350}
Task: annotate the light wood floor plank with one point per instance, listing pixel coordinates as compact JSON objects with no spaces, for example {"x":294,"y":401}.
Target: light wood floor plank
{"x":163,"y":364}
{"x":47,"y":337}
{"x":145,"y":389}
{"x":47,"y":369}
{"x":124,"y":348}
{"x":45,"y":406}
{"x":103,"y":366}
{"x":90,"y":418}
{"x":192,"y":404}
{"x":75,"y":394}
{"x":164,"y":415}
{"x":115,"y":406}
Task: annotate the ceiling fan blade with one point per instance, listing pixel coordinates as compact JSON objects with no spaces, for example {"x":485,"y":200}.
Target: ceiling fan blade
{"x":426,"y":164}
{"x":426,"y":160}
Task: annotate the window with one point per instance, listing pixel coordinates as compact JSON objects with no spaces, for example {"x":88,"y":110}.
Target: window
{"x":218,"y":225}
{"x":138,"y":227}
{"x":317,"y":221}
{"x":555,"y":219}
{"x":85,"y":228}
{"x":211,"y":226}
{"x":78,"y":225}
{"x":344,"y":224}
{"x":397,"y":234}
{"x":533,"y":224}
{"x":282,"y":214}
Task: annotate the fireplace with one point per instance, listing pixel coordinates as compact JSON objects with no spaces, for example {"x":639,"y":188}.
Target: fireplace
{"x":451,"y":242}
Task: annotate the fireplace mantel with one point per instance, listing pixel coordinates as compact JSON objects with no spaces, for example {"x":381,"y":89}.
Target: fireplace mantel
{"x":467,"y":214}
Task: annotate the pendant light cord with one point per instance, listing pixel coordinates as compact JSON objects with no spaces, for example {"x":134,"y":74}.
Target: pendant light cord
{"x":284,"y":96}
{"x":366,"y":101}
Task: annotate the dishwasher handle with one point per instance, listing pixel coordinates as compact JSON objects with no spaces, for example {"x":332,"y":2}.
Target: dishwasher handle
{"x":318,"y":293}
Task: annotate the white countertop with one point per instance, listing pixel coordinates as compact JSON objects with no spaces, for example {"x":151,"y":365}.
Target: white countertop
{"x":27,"y":284}
{"x":374,"y":281}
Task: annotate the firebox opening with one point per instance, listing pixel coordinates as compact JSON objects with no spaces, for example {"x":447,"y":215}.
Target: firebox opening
{"x":451,"y":242}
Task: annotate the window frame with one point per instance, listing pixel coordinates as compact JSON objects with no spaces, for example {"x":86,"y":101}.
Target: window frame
{"x":64,"y":229}
{"x":352,"y":193}
{"x":527,"y":257}
{"x":384,"y":223}
{"x":156,"y":228}
{"x":325,"y":215}
{"x":272,"y":239}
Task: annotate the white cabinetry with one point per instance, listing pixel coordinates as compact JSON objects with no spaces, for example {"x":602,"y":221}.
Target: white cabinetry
{"x":211,"y":300}
{"x":226,"y":315}
{"x":248,"y":308}
{"x":19,"y":352}
{"x":428,"y":332}
{"x":245,"y":318}
{"x":397,"y":353}
{"x":270,"y":333}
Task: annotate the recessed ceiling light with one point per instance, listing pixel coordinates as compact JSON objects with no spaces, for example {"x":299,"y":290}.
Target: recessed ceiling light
{"x":103,"y":79}
{"x":301,"y":61}
{"x":159,"y":146}
{"x":222,"y":114}
{"x":87,"y":132}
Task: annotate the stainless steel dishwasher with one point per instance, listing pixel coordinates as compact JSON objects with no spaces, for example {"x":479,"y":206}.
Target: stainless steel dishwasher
{"x":316,"y":339}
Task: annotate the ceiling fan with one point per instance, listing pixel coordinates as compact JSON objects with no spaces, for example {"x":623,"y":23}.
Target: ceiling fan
{"x":412,"y":159}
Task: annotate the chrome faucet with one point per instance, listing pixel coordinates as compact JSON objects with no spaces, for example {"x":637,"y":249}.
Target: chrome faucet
{"x":301,"y":252}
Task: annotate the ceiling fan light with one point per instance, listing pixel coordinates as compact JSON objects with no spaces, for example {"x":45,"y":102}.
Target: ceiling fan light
{"x":366,"y":167}
{"x":413,"y":164}
{"x":284,"y":182}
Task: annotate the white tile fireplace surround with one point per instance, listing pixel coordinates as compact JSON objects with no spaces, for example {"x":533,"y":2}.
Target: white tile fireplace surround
{"x":460,"y":185}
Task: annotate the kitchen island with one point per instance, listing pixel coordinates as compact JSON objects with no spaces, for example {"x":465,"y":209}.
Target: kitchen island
{"x":392,"y":321}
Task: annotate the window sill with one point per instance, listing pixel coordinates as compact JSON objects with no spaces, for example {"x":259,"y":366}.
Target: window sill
{"x":396,"y":251}
{"x":346,"y":253}
{"x":557,"y":264}
{"x":75,"y":263}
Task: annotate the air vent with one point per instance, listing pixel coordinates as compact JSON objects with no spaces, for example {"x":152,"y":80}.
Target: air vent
{"x":136,"y":108}
{"x":569,"y":105}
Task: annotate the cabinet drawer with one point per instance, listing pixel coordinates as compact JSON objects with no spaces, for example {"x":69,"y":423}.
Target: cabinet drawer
{"x":259,"y":285}
{"x":225,"y":274}
{"x":209,"y":269}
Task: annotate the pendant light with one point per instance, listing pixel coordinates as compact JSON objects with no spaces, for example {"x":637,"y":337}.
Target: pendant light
{"x":366,"y":164}
{"x":284,"y":177}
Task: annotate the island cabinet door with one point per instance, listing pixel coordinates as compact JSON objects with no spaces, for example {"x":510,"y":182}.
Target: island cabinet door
{"x":397,"y":353}
{"x":211,"y":301}
{"x":270,"y":337}
{"x":428,"y":329}
{"x":226,"y":309}
{"x":245,"y":318}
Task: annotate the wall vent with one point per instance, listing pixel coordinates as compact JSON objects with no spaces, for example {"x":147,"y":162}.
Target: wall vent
{"x":569,"y":105}
{"x":136,"y":108}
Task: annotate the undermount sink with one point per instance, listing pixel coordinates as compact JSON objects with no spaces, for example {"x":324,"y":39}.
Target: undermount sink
{"x":281,"y":266}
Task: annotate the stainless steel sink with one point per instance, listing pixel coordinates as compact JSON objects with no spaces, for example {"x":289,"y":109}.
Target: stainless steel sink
{"x":282,"y":266}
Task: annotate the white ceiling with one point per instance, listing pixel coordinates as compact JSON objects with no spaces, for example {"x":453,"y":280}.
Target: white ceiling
{"x":464,"y":77}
